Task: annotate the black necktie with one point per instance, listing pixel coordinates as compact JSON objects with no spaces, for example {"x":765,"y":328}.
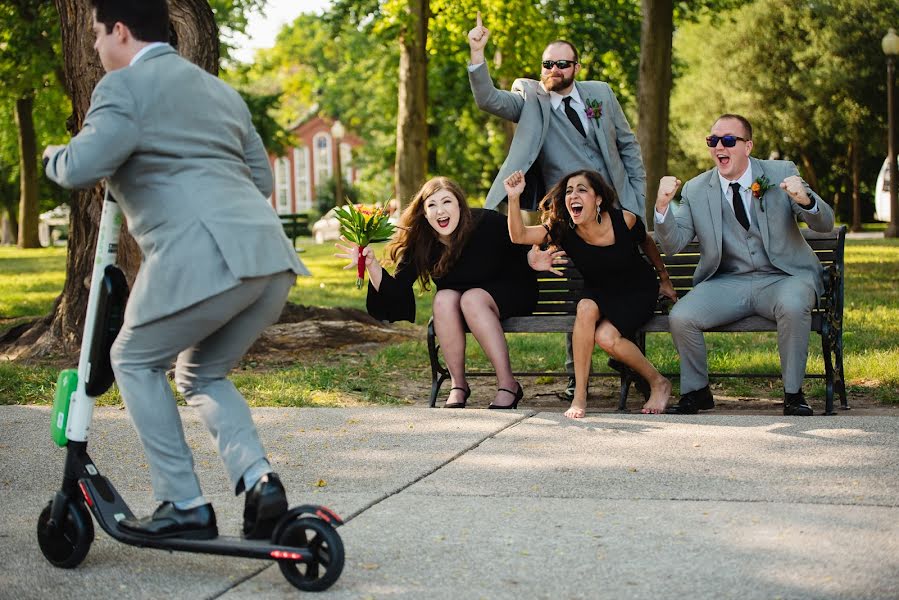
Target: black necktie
{"x":573,"y":117}
{"x":739,"y":210}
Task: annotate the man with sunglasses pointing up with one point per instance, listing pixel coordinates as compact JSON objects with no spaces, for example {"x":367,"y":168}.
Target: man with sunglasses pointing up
{"x":563,"y":126}
{"x":753,"y":257}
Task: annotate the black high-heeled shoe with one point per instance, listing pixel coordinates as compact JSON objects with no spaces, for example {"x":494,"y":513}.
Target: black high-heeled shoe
{"x":464,"y":399}
{"x":517,"y":395}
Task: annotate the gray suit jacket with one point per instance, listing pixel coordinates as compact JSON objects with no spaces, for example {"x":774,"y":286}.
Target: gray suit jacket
{"x":699,"y":215}
{"x":190,"y":173}
{"x":528,"y":105}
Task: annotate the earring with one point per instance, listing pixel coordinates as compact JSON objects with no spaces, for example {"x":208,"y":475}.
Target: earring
{"x":598,"y":217}
{"x":571,"y":224}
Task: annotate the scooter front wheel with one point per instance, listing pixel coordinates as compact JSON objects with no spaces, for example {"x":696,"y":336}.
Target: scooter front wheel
{"x":66,"y":544}
{"x":324,"y":542}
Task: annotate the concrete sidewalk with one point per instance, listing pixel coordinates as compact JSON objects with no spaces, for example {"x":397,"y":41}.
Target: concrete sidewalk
{"x":493,"y":504}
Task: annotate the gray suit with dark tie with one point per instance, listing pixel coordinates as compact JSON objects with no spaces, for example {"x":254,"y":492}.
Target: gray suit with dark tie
{"x":179,"y":153}
{"x":768,"y":269}
{"x":544,"y":138}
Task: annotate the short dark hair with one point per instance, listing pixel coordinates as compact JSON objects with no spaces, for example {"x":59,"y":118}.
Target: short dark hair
{"x":148,"y":20}
{"x":564,"y":43}
{"x":743,"y":121}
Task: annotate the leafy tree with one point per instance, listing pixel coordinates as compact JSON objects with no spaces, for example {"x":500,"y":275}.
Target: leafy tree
{"x":30,"y":69}
{"x":808,"y":76}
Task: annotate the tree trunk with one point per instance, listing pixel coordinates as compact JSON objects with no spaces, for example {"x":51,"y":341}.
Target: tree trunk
{"x":808,"y":172}
{"x":412,"y":112}
{"x":856,"y":196}
{"x":28,"y":201}
{"x":653,"y":92}
{"x":195,"y":35}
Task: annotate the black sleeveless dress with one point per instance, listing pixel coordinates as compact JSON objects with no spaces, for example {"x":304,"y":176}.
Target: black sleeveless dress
{"x":489,"y":261}
{"x":616,"y":277}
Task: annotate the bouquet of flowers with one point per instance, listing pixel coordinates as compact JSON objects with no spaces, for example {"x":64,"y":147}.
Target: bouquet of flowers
{"x":363,"y":226}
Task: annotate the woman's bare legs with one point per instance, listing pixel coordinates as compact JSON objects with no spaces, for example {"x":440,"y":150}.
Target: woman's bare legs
{"x":482,"y":316}
{"x":622,"y":349}
{"x":582,"y":349}
{"x":450,"y":330}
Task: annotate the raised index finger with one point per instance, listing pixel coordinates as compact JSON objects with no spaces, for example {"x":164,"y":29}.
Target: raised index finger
{"x":480,"y":24}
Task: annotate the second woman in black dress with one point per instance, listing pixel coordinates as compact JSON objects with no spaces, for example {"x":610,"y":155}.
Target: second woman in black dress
{"x":580,"y":215}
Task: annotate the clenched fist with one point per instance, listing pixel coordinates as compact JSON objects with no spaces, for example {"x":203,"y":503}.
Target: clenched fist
{"x":668,"y":186}
{"x":795,"y":189}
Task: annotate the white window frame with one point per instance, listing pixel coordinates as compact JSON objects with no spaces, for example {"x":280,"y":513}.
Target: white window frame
{"x":323,"y":172}
{"x":346,"y":161}
{"x":282,"y":185}
{"x":302,"y":178}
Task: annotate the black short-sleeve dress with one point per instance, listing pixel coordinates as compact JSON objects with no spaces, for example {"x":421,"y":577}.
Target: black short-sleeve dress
{"x":616,"y":277}
{"x":489,"y":261}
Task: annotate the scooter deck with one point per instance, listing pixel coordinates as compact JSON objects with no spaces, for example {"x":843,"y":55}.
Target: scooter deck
{"x":109,"y":508}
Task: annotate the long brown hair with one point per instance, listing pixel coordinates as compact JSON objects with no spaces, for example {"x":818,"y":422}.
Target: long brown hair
{"x":554,"y":213}
{"x":417,"y":242}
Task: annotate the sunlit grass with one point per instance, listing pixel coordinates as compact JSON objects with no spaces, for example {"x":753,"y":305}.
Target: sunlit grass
{"x":30,"y":280}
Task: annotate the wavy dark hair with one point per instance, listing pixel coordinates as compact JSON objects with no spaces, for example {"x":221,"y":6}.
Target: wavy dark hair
{"x":416,"y":241}
{"x":554,"y":213}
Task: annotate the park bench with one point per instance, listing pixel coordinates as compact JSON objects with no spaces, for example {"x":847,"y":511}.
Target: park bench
{"x":558,"y":297}
{"x":295,"y":225}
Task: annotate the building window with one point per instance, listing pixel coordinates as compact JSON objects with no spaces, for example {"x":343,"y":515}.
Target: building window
{"x":282,"y":185}
{"x":346,"y":162}
{"x":303,"y":182}
{"x":322,"y":158}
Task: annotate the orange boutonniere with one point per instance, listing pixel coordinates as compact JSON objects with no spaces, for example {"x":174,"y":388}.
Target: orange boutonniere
{"x":759,"y":187}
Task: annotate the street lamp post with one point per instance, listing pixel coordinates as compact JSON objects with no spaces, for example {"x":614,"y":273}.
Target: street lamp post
{"x":337,"y":133}
{"x":890,"y":46}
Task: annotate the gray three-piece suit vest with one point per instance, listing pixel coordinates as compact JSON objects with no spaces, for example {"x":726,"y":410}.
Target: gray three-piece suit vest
{"x":572,"y":151}
{"x":742,"y":250}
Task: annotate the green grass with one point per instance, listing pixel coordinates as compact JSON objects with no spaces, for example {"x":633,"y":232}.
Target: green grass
{"x":30,"y":281}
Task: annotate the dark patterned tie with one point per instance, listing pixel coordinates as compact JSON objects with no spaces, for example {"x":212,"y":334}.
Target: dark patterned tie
{"x":739,"y":210}
{"x":573,"y":116}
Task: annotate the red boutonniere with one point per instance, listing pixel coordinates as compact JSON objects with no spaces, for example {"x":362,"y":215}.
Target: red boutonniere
{"x":594,"y":109}
{"x":759,"y":187}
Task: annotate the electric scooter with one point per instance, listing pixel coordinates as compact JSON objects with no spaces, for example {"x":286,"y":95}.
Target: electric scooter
{"x":304,"y":543}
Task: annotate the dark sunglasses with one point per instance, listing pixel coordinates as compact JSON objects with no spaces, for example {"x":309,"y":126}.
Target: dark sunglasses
{"x":729,"y":141}
{"x":562,"y":64}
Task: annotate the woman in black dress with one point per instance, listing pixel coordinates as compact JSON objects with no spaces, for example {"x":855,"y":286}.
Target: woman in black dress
{"x":480,"y":275}
{"x":581,"y":215}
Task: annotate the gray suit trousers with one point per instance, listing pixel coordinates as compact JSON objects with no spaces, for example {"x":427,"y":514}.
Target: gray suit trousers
{"x":206,"y":341}
{"x":722,"y":299}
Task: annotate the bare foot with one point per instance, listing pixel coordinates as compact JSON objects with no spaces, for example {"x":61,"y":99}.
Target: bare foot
{"x":660,"y":393}
{"x":577,"y":410}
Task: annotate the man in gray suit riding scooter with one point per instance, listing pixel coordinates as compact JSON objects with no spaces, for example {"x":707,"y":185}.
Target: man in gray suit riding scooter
{"x":563,"y":126}
{"x":180,"y":155}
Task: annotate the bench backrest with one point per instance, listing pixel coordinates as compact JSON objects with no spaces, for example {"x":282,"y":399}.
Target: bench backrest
{"x":558,"y":295}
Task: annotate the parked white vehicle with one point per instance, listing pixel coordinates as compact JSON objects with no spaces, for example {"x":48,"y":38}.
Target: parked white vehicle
{"x":327,"y":228}
{"x":882,"y":192}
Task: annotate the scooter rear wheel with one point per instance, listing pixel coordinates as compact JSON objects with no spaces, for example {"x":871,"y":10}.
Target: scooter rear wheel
{"x":327,"y":549}
{"x":66,"y":544}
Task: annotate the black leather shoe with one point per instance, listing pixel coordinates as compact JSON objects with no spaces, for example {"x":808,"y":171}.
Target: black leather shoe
{"x":693,"y":402}
{"x":568,"y":394}
{"x":169,"y":521}
{"x":263,"y":506}
{"x":796,"y":406}
{"x":640,"y":383}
